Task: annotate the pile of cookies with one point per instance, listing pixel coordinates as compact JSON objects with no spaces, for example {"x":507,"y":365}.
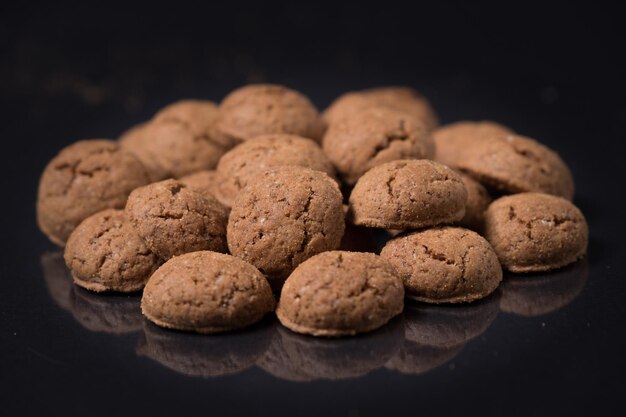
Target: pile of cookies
{"x":212,"y":210}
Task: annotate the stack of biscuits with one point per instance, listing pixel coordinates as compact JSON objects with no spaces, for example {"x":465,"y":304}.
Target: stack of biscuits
{"x":218,"y":211}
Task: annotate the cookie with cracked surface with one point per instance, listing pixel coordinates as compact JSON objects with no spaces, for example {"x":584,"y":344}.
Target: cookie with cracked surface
{"x":290,"y":214}
{"x":372,"y":137}
{"x":444,"y":265}
{"x":478,"y":199}
{"x":408,"y":194}
{"x":259,"y":109}
{"x":339,"y":293}
{"x":404,"y":99}
{"x":534,"y":232}
{"x":246,"y":162}
{"x":203,"y":182}
{"x":106,"y":254}
{"x":206,"y":292}
{"x":174,"y":219}
{"x":85,"y":178}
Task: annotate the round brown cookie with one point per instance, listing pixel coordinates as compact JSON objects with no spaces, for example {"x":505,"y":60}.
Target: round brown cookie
{"x":173,"y":219}
{"x":532,"y":296}
{"x":259,"y":109}
{"x":295,"y":357}
{"x":106,"y":254}
{"x":372,"y":137}
{"x":199,"y":115}
{"x":111,"y":313}
{"x":444,"y":265}
{"x":408,"y":194}
{"x":214,"y":355}
{"x":206,"y":292}
{"x":171,"y":147}
{"x":478,"y":200}
{"x":85,"y":178}
{"x":203,"y":182}
{"x":339,"y":293}
{"x":452,"y":139}
{"x":290,"y":214}
{"x":246,"y":162}
{"x":131,"y":131}
{"x":533,"y":232}
{"x":404,"y":99}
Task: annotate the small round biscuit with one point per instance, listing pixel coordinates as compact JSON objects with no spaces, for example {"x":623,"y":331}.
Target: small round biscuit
{"x":444,"y":265}
{"x":203,"y":182}
{"x":372,"y":137}
{"x":408,"y":194}
{"x":246,"y":162}
{"x":339,"y":293}
{"x":478,"y":200}
{"x":290,"y":214}
{"x":404,"y":99}
{"x":173,"y":219}
{"x":534,"y":232}
{"x":106,"y":254}
{"x":85,"y":178}
{"x":200,"y":115}
{"x":206,"y":292}
{"x":259,"y":109}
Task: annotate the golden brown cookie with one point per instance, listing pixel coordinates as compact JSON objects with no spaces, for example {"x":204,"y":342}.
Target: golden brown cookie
{"x":106,"y":254}
{"x":259,"y":109}
{"x":404,"y":99}
{"x":339,"y":293}
{"x":203,"y":182}
{"x":246,"y":162}
{"x":173,"y":219}
{"x":85,"y":178}
{"x":372,"y":137}
{"x":199,"y":115}
{"x":408,"y":194}
{"x":533,"y":232}
{"x":290,"y":214}
{"x":478,"y":200}
{"x":444,"y":265}
{"x":206,"y":292}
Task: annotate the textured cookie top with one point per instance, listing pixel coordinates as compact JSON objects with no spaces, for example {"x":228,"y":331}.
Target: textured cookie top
{"x":206,"y":292}
{"x":84,"y":178}
{"x":173,"y":147}
{"x":442,"y":265}
{"x":536,"y":232}
{"x":372,"y":137}
{"x":287,"y":216}
{"x":408,"y":194}
{"x":200,"y":115}
{"x":203,"y":182}
{"x":105,"y":253}
{"x":339,"y":293}
{"x":260,"y":109}
{"x":173,"y":219}
{"x":404,"y":99}
{"x":246,"y":162}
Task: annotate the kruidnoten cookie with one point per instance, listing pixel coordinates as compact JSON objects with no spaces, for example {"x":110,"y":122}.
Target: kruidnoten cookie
{"x":478,"y":200}
{"x":259,"y":109}
{"x":200,"y":115}
{"x":246,"y":162}
{"x":339,"y":293}
{"x":372,"y":137}
{"x":85,"y":178}
{"x":203,"y":182}
{"x":533,"y":232}
{"x":173,"y":219}
{"x":106,"y":254}
{"x":408,"y":194}
{"x":206,"y":292}
{"x":404,"y":99}
{"x":290,"y":214}
{"x":444,"y":265}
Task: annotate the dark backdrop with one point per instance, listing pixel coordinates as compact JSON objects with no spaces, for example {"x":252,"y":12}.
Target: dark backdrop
{"x":553,"y":71}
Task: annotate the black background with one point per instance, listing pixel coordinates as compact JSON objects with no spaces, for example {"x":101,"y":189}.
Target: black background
{"x":553,"y":72}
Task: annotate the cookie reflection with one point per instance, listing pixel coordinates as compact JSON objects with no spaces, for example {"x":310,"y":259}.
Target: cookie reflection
{"x":109,"y":313}
{"x":296,"y":357}
{"x":206,"y":355}
{"x":57,"y":278}
{"x":434,"y":335}
{"x":538,"y":294}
